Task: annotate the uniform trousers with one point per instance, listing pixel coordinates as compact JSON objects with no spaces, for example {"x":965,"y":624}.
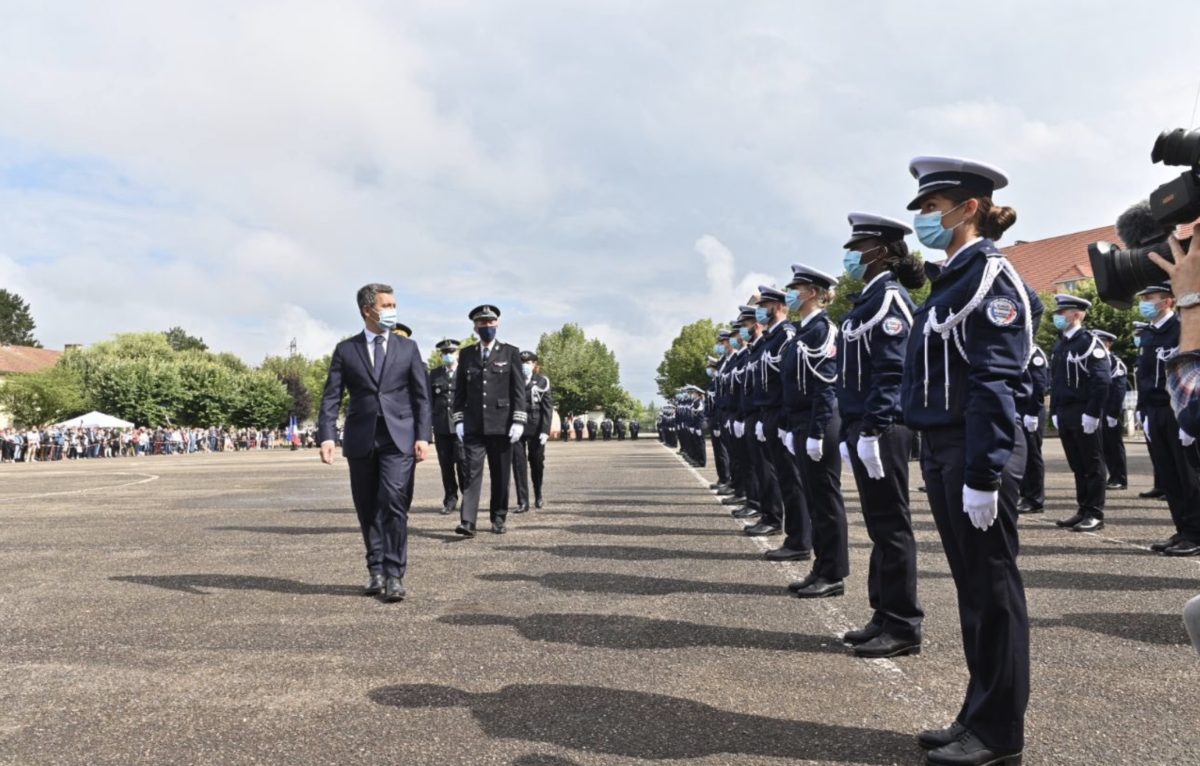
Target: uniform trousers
{"x":797,"y":524}
{"x":1178,"y":470}
{"x":770,"y":504}
{"x":1114,"y":453}
{"x":498,"y":452}
{"x":720,"y":457}
{"x":1085,"y":457}
{"x":822,"y":484}
{"x":1033,"y":483}
{"x":453,"y":464}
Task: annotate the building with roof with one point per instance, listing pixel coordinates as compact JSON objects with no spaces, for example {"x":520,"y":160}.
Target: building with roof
{"x":15,"y":360}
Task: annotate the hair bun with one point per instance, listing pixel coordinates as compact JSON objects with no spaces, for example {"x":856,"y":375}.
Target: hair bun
{"x":999,"y":220}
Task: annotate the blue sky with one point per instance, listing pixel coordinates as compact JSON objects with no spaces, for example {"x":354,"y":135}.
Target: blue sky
{"x":240,"y":168}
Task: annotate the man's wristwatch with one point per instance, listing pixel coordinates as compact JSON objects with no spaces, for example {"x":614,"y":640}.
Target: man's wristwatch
{"x":1188,"y":301}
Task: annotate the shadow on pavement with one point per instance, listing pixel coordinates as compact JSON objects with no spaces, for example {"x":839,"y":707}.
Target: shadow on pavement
{"x":651,"y":726}
{"x":604,"y":582}
{"x":543,"y":760}
{"x":631,"y":553}
{"x":639,"y":530}
{"x":610,"y":631}
{"x":192,"y":583}
{"x":1161,"y":629}
{"x":292,"y":530}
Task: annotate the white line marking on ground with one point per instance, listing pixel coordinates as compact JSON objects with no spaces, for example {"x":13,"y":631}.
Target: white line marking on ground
{"x":147,"y":478}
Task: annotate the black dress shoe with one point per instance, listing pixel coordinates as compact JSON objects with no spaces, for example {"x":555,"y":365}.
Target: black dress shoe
{"x":394,"y":590}
{"x":932,"y":739}
{"x":734,"y":500}
{"x":715,"y":485}
{"x":465,"y":528}
{"x":1026,"y":506}
{"x":744,"y":513}
{"x":822,"y":588}
{"x":1070,"y":522}
{"x":1116,"y":485}
{"x":1183,"y":548}
{"x":499,"y":527}
{"x":862,"y":635}
{"x":885,"y":645}
{"x":1153,"y":493}
{"x":522,"y":508}
{"x":1159,"y":547}
{"x":1089,"y":524}
{"x":448,"y":507}
{"x":762,"y":529}
{"x":787,"y":554}
{"x":374,"y":585}
{"x":726,"y":492}
{"x":969,"y":750}
{"x":538,"y":502}
{"x":802,"y":584}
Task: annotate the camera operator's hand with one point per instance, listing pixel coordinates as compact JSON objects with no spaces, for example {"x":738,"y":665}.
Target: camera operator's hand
{"x":1185,"y":271}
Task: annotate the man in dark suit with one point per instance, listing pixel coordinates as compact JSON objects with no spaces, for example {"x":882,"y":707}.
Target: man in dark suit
{"x":529,"y":454}
{"x":386,"y":433}
{"x":489,"y":417}
{"x":450,"y":455}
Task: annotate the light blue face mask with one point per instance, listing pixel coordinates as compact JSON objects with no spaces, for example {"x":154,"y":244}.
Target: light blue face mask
{"x":930,"y":230}
{"x":711,"y":372}
{"x":719,"y":350}
{"x":793,"y":299}
{"x":1060,"y":322}
{"x":745,"y":333}
{"x":387,"y":318}
{"x":852,"y":263}
{"x":527,"y":368}
{"x":448,"y":359}
{"x":734,"y":342}
{"x":1148,"y":309}
{"x":1137,"y":341}
{"x":762,"y":316}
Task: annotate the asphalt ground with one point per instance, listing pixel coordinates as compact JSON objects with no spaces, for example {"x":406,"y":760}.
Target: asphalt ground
{"x":206,"y":610}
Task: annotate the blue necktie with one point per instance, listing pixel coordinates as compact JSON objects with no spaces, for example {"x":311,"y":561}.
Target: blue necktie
{"x":487,"y":351}
{"x":378,"y":356}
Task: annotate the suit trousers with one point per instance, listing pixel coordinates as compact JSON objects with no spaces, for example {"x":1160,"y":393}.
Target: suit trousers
{"x":498,"y":451}
{"x":1178,"y":470}
{"x":1114,"y":453}
{"x":1086,"y":460}
{"x":1033,"y":483}
{"x":822,"y":483}
{"x":991,"y":596}
{"x":797,"y":525}
{"x":453,"y":464}
{"x":892,"y":570}
{"x":381,"y":485}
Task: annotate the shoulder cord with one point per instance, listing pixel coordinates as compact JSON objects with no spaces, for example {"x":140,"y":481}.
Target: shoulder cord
{"x":997,"y":264}
{"x":891,"y":296}
{"x":809,"y":358}
{"x":771,"y":362}
{"x":1079,"y":362}
{"x":1162,"y":355}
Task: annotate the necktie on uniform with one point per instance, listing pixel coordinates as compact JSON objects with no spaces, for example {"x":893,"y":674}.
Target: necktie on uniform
{"x":487,"y":351}
{"x":378,"y":362}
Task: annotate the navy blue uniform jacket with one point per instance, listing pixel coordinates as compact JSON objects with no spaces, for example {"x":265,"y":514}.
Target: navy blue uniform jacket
{"x":872,"y":365}
{"x":810,"y":372}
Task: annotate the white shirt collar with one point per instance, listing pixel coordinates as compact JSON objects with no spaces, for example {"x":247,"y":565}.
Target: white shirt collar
{"x":959,"y":250}
{"x":776,"y":324}
{"x":1070,"y":331}
{"x":1164,"y":320}
{"x":876,"y":278}
{"x":804,"y":322}
{"x":371,"y":336}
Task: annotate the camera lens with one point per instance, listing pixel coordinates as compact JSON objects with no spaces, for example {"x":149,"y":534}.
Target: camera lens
{"x":1177,"y":147}
{"x":1121,"y":273}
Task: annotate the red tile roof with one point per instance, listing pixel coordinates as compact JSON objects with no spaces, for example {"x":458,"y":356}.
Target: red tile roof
{"x":26,"y":359}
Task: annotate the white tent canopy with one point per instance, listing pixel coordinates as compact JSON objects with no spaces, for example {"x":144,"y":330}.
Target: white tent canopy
{"x":95,"y":420}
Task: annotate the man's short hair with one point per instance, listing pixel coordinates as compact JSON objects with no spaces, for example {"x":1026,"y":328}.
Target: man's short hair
{"x":368,"y":293}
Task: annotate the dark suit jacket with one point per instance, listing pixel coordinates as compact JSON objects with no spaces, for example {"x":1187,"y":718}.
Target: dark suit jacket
{"x":401,"y":396}
{"x":489,"y":398}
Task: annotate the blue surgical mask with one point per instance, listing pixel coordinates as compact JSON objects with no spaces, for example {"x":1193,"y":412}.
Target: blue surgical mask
{"x":745,"y":333}
{"x":711,"y":372}
{"x":930,"y":230}
{"x":387,"y":318}
{"x":762,"y":316}
{"x":719,"y":350}
{"x":1148,"y":309}
{"x":527,"y":368}
{"x":1137,"y":341}
{"x":852,"y":262}
{"x":486,"y":334}
{"x":448,"y":359}
{"x":734,"y":342}
{"x":793,"y":299}
{"x":1060,"y":321}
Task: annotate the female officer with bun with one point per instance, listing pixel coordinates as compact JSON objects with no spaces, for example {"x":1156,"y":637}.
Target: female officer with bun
{"x":967,"y":353}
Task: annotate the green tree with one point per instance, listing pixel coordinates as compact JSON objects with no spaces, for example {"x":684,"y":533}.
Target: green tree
{"x":583,"y":373}
{"x":40,"y":398}
{"x":208,"y":392}
{"x":148,"y":393}
{"x":261,"y":401}
{"x":685,"y":361}
{"x":181,"y":341}
{"x":16,"y":321}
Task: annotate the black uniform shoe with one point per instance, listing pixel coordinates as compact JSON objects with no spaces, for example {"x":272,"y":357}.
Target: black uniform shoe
{"x":522,"y":508}
{"x":885,"y":645}
{"x":394,"y":590}
{"x":744,"y":513}
{"x":969,"y":750}
{"x":1070,"y":522}
{"x":448,"y":506}
{"x":726,"y":492}
{"x":1116,"y":485}
{"x":801,"y":584}
{"x":538,"y":502}
{"x":862,"y":635}
{"x":734,"y":500}
{"x":822,"y":588}
{"x":931,"y":739}
{"x":465,"y":528}
{"x":1026,"y":506}
{"x":1162,"y":546}
{"x":762,"y":529}
{"x":1089,"y":524}
{"x":716,"y":485}
{"x":1153,"y":493}
{"x":374,"y":585}
{"x":1183,"y":548}
{"x":499,"y":527}
{"x":784,"y":553}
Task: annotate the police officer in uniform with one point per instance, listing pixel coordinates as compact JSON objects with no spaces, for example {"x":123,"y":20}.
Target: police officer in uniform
{"x":578,"y":426}
{"x":619,"y":426}
{"x":529,"y":454}
{"x":965,"y":362}
{"x":714,"y":419}
{"x":769,"y":504}
{"x":1155,"y":492}
{"x":1111,"y":431}
{"x":450,"y":455}
{"x":489,"y":417}
{"x":810,"y":375}
{"x":592,"y":429}
{"x":874,"y":438}
{"x":1080,"y":375}
{"x":634,"y":429}
{"x":1033,"y":418}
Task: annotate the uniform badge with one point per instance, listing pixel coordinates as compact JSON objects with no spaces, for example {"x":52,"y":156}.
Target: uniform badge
{"x":1098,"y":353}
{"x":1038,"y":361}
{"x":1002,"y":312}
{"x":893,"y":326}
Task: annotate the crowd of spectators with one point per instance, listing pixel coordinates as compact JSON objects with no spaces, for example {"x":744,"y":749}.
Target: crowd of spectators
{"x":52,"y":443}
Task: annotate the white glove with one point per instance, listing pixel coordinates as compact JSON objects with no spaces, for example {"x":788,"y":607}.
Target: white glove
{"x":1186,"y":439}
{"x":1111,"y":421}
{"x":868,"y":452}
{"x":1146,"y":428}
{"x":1054,"y":420}
{"x":815,"y":449}
{"x":728,"y":425}
{"x":543,"y":438}
{"x":739,"y":429}
{"x":1031,"y":423}
{"x":515,"y":431}
{"x":458,"y":431}
{"x":844,"y":449}
{"x":717,"y":433}
{"x":1137,"y":416}
{"x":789,"y":441}
{"x":1090,"y":424}
{"x":782,"y":434}
{"x":981,"y":506}
{"x":758,"y":432}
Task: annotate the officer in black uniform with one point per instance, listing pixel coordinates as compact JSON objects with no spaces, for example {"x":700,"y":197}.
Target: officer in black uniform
{"x":1112,"y":436}
{"x":1174,"y":452}
{"x":489,"y":417}
{"x":592,"y":429}
{"x":1032,"y":408}
{"x":578,"y":426}
{"x":698,"y":423}
{"x":875,"y":440}
{"x":606,"y":428}
{"x":634,"y":428}
{"x":1079,"y":371}
{"x":1155,"y":492}
{"x":713,"y":419}
{"x":620,"y":428}
{"x":810,"y":375}
{"x":564,"y":427}
{"x":451,"y":459}
{"x":529,"y":454}
{"x":965,"y":362}
{"x":741,"y":380}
